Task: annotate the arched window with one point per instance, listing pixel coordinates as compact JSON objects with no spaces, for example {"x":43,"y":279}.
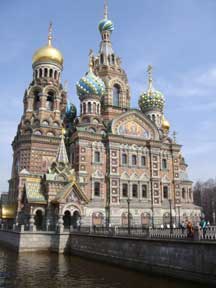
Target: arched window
{"x":45,"y":72}
{"x":36,"y":100}
{"x":97,"y":189}
{"x":164,"y":164}
{"x":94,"y":108}
{"x":89,"y":107}
{"x":113,"y":58}
{"x":183,"y":193}
{"x":125,"y":190}
{"x":98,"y":108}
{"x":102,"y":59}
{"x":50,"y":73}
{"x":50,"y":101}
{"x":40,"y":73}
{"x":36,"y":74}
{"x":116,"y":95}
{"x":153,"y":118}
{"x":84,"y":108}
{"x":55,"y":75}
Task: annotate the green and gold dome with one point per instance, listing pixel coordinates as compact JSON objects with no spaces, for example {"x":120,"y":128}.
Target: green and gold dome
{"x":105,"y":24}
{"x":151,"y":99}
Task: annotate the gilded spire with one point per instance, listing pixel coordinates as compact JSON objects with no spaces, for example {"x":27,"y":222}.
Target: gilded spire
{"x":105,"y":9}
{"x":150,"y":80}
{"x":62,"y":153}
{"x":91,"y":64}
{"x":50,"y":36}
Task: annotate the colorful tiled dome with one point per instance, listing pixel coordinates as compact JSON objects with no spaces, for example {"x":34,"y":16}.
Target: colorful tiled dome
{"x":106,"y":25}
{"x":71,"y":111}
{"x":90,"y":84}
{"x":150,"y":100}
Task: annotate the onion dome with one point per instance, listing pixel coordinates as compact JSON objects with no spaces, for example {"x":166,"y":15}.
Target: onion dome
{"x":105,"y":24}
{"x":165,"y":125}
{"x":152,"y":99}
{"x":48,"y":52}
{"x":90,"y":84}
{"x":71,"y":111}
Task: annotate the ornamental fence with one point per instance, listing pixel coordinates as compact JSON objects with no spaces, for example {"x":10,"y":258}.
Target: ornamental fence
{"x":208,"y":234}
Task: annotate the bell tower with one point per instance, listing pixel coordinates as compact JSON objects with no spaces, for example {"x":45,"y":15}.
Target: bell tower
{"x":38,"y":135}
{"x":107,"y":65}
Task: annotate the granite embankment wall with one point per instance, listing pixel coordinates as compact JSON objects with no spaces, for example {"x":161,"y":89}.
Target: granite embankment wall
{"x":35,"y":241}
{"x":191,"y":260}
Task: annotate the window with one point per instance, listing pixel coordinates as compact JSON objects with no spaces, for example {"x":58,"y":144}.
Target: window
{"x":144,"y":191}
{"x":190,"y":193}
{"x":165,"y":192}
{"x":134,"y":191}
{"x":124,"y":159}
{"x":125,"y":190}
{"x":89,"y":107}
{"x":50,"y":99}
{"x":134,"y":160}
{"x":36,"y":100}
{"x":164,"y":164}
{"x":143,"y":161}
{"x":116,"y":95}
{"x":97,"y":189}
{"x":97,"y":157}
{"x":183,"y":193}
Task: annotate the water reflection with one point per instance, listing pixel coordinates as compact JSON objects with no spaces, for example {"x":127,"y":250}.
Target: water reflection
{"x":52,"y":271}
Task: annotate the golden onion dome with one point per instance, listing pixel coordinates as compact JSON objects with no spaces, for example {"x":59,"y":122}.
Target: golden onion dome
{"x":48,"y":52}
{"x":165,"y":124}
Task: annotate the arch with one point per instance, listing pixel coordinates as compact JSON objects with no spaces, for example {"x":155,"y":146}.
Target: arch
{"x":183,"y":193}
{"x":89,"y":107}
{"x":94,"y":107}
{"x":36,"y":94}
{"x":39,"y":219}
{"x":166,"y":219}
{"x":97,"y":219}
{"x":113,"y":59}
{"x":56,"y":124}
{"x":153,"y":118}
{"x":45,"y":72}
{"x":55,"y":75}
{"x":36,"y":74}
{"x":50,"y":100}
{"x":37,"y":132}
{"x":67,"y":219}
{"x":116,"y":95}
{"x":40,"y":72}
{"x":145,"y":219}
{"x":124,"y":219}
{"x":84,"y":108}
{"x":51,"y":73}
{"x":50,"y":134}
{"x":98,"y":108}
{"x":102,"y":59}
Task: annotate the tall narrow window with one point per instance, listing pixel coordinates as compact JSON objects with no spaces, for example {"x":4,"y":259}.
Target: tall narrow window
{"x":97,"y":157}
{"x":183,"y":193}
{"x":165,"y":192}
{"x":124,"y":159}
{"x":164,"y":164}
{"x":45,"y":72}
{"x":50,"y":73}
{"x":134,"y":160}
{"x":134,"y":191}
{"x":125,"y":190}
{"x":143,"y":161}
{"x":116,"y":95}
{"x":36,"y":101}
{"x":89,"y":107}
{"x":97,"y":189}
{"x":144,"y":191}
{"x":50,"y":100}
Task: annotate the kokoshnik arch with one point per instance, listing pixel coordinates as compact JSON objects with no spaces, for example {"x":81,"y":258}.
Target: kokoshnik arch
{"x":109,"y":154}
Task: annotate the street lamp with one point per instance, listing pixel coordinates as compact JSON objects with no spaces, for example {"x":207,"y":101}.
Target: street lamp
{"x":129,"y":224}
{"x":171,"y":224}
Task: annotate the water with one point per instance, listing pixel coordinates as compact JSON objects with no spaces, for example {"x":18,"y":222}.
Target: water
{"x":52,"y":271}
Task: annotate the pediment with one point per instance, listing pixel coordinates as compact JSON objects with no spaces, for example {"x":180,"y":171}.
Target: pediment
{"x":144,"y":178}
{"x":71,"y":193}
{"x":125,"y":176}
{"x":165,"y":179}
{"x":134,"y":124}
{"x":98,"y":174}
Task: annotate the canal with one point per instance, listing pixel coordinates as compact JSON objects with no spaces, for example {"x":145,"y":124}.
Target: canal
{"x":52,"y":271}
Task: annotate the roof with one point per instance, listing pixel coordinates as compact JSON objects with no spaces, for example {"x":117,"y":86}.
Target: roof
{"x":33,"y":192}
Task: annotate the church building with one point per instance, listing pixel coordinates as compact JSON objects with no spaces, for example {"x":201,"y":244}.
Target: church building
{"x":106,"y":166}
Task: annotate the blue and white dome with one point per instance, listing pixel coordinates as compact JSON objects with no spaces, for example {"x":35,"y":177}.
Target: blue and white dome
{"x":151,"y":100}
{"x":90,"y":84}
{"x":71,"y":111}
{"x":106,"y":25}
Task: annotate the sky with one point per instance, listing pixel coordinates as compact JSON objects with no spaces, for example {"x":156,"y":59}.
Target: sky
{"x":177,"y":37}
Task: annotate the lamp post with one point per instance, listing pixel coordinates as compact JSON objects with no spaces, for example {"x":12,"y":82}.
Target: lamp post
{"x":171,"y":224}
{"x":129,"y":224}
{"x":179,"y":216}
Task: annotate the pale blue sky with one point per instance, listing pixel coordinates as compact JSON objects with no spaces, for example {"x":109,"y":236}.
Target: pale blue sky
{"x":176,"y":36}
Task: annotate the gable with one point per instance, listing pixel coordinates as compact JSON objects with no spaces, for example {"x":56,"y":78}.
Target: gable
{"x":134,"y":124}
